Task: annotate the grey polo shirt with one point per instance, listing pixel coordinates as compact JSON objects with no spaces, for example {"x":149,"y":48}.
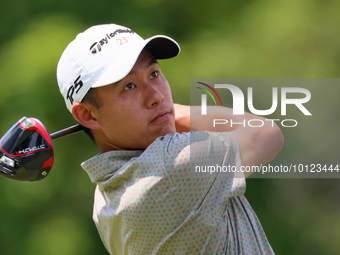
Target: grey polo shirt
{"x":163,"y":200}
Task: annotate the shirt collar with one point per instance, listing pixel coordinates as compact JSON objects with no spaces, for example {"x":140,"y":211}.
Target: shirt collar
{"x":107,"y":163}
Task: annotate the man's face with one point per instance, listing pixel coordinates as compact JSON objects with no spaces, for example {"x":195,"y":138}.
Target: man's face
{"x":137,"y":109}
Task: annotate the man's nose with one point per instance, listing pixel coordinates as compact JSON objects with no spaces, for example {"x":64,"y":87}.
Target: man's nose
{"x":153,"y":95}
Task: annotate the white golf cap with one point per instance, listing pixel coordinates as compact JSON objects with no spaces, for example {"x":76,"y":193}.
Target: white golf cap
{"x":105,"y":54}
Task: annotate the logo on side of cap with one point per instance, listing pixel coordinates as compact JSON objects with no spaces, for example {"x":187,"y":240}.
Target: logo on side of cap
{"x":78,"y":84}
{"x":106,"y":39}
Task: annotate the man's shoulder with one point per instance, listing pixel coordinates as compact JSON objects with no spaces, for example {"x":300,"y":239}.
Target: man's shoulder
{"x":191,"y":137}
{"x":179,"y":138}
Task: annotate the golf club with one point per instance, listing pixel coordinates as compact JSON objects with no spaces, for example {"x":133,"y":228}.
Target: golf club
{"x":26,"y":150}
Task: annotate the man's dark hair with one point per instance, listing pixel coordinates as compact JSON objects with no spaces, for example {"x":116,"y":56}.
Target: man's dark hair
{"x":92,"y":98}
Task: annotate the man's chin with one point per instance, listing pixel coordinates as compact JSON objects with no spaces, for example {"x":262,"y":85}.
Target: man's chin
{"x":169,"y":130}
{"x":165,"y":130}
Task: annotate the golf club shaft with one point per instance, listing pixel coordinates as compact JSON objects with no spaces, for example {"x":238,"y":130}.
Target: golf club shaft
{"x":67,"y":131}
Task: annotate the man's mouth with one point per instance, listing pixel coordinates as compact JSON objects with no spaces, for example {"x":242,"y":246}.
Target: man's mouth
{"x":160,"y":116}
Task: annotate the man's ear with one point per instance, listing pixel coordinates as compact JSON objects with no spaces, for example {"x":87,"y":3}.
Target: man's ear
{"x":83,"y":113}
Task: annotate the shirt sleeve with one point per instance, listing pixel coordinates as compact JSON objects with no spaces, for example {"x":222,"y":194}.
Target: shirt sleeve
{"x":204,"y":167}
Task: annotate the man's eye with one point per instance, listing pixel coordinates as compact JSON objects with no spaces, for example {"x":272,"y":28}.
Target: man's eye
{"x":129,"y":86}
{"x":154,"y":74}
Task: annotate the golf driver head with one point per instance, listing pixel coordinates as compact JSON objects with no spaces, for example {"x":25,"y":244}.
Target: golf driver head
{"x":26,"y":151}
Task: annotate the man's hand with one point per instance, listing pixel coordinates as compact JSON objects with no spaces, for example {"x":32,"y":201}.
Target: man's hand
{"x":182,"y":118}
{"x":258,"y":145}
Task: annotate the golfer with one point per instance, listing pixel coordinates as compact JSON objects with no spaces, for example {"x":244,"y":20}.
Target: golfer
{"x":149,"y":199}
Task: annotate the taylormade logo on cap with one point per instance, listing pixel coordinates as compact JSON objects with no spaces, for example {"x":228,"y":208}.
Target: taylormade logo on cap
{"x":81,"y":67}
{"x":106,"y":39}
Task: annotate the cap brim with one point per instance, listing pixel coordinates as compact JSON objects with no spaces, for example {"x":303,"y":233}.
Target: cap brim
{"x":160,"y":46}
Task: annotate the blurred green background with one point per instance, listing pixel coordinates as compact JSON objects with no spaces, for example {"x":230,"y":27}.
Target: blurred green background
{"x":284,"y":38}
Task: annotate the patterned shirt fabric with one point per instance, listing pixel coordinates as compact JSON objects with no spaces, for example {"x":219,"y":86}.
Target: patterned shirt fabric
{"x":163,"y":201}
